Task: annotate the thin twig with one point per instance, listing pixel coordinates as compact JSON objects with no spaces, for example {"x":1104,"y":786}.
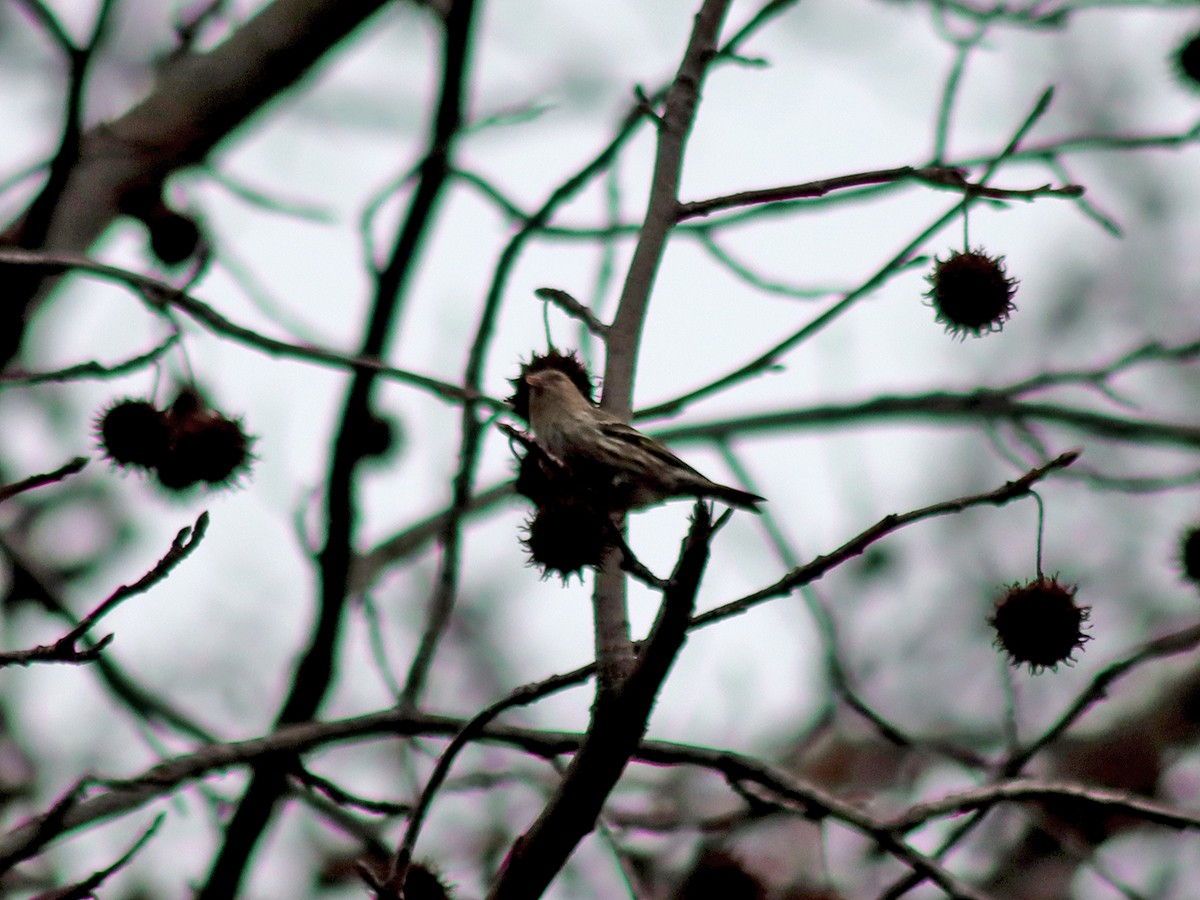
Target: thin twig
{"x":314,"y":672}
{"x":470,"y":731}
{"x":1158,"y":648}
{"x":85,"y":890}
{"x":889,"y":269}
{"x":50,"y":24}
{"x":1101,"y":800}
{"x":91,"y":369}
{"x":162,"y":295}
{"x":40,"y":831}
{"x":74,"y":467}
{"x":65,"y":649}
{"x":818,"y":567}
{"x":944,"y":408}
{"x":950,"y":177}
{"x":574,"y":309}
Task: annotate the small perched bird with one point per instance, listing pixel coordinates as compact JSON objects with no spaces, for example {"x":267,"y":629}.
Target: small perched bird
{"x":582,"y":436}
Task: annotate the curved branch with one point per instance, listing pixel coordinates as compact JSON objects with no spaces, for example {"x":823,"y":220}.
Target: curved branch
{"x":988,"y":405}
{"x":161,"y":295}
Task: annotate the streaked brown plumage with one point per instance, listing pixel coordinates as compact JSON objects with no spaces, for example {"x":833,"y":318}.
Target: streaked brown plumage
{"x":644,"y":472}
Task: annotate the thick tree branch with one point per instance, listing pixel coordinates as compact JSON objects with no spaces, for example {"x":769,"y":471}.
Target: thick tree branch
{"x":314,"y":673}
{"x":198,"y":101}
{"x":619,"y":720}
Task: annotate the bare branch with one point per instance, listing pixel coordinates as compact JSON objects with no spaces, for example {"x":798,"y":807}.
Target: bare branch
{"x":619,"y":719}
{"x":950,"y":177}
{"x":810,"y":572}
{"x":45,"y":828}
{"x":92,"y":369}
{"x":574,"y":309}
{"x":162,"y":295}
{"x":85,"y":890}
{"x":198,"y":101}
{"x":74,"y":467}
{"x":121,"y":797}
{"x":1029,"y":790}
{"x":944,"y":408}
{"x":65,"y":649}
{"x":1159,"y":648}
{"x":470,"y":731}
{"x":314,"y":672}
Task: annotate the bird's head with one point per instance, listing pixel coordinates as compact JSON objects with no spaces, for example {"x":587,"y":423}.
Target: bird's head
{"x":555,"y":401}
{"x":553,"y":385}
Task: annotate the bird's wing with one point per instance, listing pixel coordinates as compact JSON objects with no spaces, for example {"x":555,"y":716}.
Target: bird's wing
{"x":649,"y":454}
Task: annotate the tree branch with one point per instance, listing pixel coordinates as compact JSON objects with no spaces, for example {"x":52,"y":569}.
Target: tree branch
{"x":64,"y":650}
{"x":74,"y":467}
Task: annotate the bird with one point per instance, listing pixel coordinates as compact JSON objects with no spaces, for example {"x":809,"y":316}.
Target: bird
{"x":637,"y":470}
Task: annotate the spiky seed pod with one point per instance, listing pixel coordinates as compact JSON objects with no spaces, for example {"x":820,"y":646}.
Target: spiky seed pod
{"x":174,"y":237}
{"x":133,"y":433}
{"x":175,"y":475}
{"x":213,"y":447}
{"x":203,"y":447}
{"x":544,"y":480}
{"x":1189,"y":553}
{"x":1039,"y":624}
{"x":568,"y":363}
{"x":563,"y":538}
{"x":583,"y":482}
{"x":718,"y":874}
{"x":535,"y":480}
{"x":1187,"y":61}
{"x":971,"y":293}
{"x":423,"y":882}
{"x":209,"y":449}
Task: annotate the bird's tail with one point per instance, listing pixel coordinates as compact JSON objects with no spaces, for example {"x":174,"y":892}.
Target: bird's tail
{"x":734,"y":497}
